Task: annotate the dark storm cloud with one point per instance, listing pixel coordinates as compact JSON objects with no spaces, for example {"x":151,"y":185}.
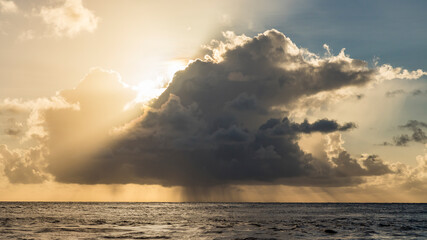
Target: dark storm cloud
{"x":325,"y":126}
{"x":218,"y":123}
{"x":418,"y":135}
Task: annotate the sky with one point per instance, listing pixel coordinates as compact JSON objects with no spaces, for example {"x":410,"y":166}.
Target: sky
{"x":272,"y":101}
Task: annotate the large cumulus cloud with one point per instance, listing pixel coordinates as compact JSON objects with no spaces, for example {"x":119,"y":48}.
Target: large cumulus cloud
{"x":220,"y":121}
{"x":224,"y":120}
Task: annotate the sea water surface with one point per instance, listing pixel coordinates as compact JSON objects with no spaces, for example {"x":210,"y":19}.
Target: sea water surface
{"x":250,"y":221}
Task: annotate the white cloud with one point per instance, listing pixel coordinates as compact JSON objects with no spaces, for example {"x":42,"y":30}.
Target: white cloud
{"x":387,"y":72}
{"x":69,"y":19}
{"x":8,"y":7}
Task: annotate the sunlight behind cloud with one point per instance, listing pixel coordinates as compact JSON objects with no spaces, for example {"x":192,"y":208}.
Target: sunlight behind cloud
{"x":174,"y":66}
{"x":152,"y":88}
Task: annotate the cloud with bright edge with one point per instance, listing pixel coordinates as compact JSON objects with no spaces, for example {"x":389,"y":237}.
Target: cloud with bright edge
{"x":224,"y":120}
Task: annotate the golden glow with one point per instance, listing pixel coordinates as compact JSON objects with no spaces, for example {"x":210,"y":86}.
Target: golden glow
{"x":174,"y":66}
{"x":151,"y":88}
{"x":51,"y":191}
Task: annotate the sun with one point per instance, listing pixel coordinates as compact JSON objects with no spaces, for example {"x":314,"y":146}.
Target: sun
{"x":174,"y":66}
{"x":151,"y":88}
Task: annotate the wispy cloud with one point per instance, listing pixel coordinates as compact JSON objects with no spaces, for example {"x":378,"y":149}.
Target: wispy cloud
{"x":394,"y":93}
{"x":69,"y":19}
{"x":8,"y":7}
{"x":419,"y":92}
{"x":26,"y":35}
{"x":416,"y":92}
{"x":418,"y":135}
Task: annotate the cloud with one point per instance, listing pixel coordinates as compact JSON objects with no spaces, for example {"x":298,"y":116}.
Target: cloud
{"x":13,"y":127}
{"x":23,"y":166}
{"x":26,"y":35}
{"x":69,"y":19}
{"x":387,"y":72}
{"x":394,"y":93}
{"x":419,"y":92}
{"x":416,"y":92}
{"x":11,"y":106}
{"x":321,"y":101}
{"x":32,"y":112}
{"x":401,"y":140}
{"x":217,"y":123}
{"x":406,"y":180}
{"x":76,"y":132}
{"x":71,"y":124}
{"x":418,"y":135}
{"x":8,"y":6}
{"x":359,"y":96}
{"x":12,"y":131}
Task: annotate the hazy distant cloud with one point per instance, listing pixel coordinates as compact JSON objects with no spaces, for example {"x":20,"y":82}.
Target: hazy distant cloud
{"x":24,"y":166}
{"x":394,"y":93}
{"x":32,"y":111}
{"x":418,"y":135}
{"x":418,"y":92}
{"x":360,"y":96}
{"x":26,"y":35}
{"x":70,"y":18}
{"x":406,"y":179}
{"x":12,"y":131}
{"x":12,"y":127}
{"x":64,"y":18}
{"x":401,"y":140}
{"x":8,"y":106}
{"x":75,"y":133}
{"x":8,"y":6}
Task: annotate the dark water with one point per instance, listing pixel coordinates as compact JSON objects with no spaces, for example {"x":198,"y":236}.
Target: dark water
{"x":26,"y":220}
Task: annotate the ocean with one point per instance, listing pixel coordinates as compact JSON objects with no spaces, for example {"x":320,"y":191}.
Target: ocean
{"x":249,"y":221}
